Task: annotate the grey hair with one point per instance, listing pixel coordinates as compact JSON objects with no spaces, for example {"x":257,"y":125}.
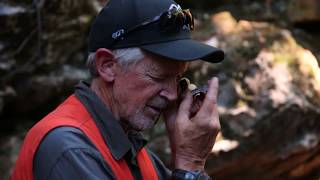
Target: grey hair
{"x":125,"y":57}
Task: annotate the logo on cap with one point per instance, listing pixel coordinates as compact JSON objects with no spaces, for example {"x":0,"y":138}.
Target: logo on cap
{"x":118,"y":33}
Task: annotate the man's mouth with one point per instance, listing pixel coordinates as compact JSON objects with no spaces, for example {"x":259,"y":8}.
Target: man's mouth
{"x":157,"y":106}
{"x":156,"y":110}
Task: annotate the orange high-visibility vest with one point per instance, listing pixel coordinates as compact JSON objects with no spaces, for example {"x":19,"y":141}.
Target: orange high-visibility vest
{"x":72,"y":113}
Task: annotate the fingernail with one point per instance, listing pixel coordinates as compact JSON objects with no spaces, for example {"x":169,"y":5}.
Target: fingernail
{"x":199,"y":96}
{"x":192,"y":87}
{"x":215,"y":79}
{"x":184,"y":83}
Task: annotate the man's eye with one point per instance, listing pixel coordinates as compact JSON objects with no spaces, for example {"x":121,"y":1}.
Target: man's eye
{"x":159,"y":79}
{"x":156,"y":78}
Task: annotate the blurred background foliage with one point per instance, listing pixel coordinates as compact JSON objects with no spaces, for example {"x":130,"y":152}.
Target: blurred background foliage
{"x":269,"y":93}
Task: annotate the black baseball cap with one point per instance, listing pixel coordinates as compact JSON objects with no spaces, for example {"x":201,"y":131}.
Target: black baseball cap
{"x":124,"y":24}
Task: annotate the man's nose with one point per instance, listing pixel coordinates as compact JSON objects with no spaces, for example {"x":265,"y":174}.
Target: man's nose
{"x":170,"y":92}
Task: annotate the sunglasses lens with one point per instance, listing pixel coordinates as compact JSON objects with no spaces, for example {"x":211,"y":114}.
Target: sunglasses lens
{"x":189,"y":18}
{"x":179,"y":21}
{"x":174,"y":22}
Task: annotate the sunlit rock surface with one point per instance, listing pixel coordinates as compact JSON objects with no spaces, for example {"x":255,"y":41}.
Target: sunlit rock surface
{"x":275,"y":117}
{"x":269,"y":81}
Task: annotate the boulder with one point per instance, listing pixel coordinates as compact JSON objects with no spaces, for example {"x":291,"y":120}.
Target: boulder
{"x":274,"y":119}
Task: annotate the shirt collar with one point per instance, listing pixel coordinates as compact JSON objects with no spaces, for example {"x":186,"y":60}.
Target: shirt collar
{"x":113,"y":134}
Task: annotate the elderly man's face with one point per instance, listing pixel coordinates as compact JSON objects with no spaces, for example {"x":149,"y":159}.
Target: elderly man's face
{"x":144,"y":90}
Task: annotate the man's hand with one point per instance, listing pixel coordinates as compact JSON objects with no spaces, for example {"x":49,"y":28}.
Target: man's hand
{"x":192,"y":138}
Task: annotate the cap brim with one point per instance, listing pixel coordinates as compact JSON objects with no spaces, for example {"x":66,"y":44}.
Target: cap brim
{"x":186,"y":50}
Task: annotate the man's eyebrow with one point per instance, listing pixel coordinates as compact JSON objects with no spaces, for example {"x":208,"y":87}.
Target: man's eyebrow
{"x":152,"y":69}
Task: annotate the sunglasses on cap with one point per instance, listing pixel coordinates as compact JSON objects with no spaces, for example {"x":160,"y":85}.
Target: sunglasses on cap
{"x":173,"y":20}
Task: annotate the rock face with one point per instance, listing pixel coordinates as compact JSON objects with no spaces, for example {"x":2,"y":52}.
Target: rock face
{"x":269,"y":83}
{"x":274,"y":117}
{"x":38,"y":57}
{"x":42,"y":56}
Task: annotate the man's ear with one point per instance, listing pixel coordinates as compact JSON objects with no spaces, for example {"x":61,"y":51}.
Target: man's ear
{"x":105,"y":64}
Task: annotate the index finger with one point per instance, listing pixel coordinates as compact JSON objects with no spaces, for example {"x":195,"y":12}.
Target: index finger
{"x":210,"y":101}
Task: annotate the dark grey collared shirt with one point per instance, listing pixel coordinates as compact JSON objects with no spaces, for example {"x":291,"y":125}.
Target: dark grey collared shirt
{"x":66,"y":153}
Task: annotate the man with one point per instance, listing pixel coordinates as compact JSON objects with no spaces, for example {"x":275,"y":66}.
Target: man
{"x":138,"y":51}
